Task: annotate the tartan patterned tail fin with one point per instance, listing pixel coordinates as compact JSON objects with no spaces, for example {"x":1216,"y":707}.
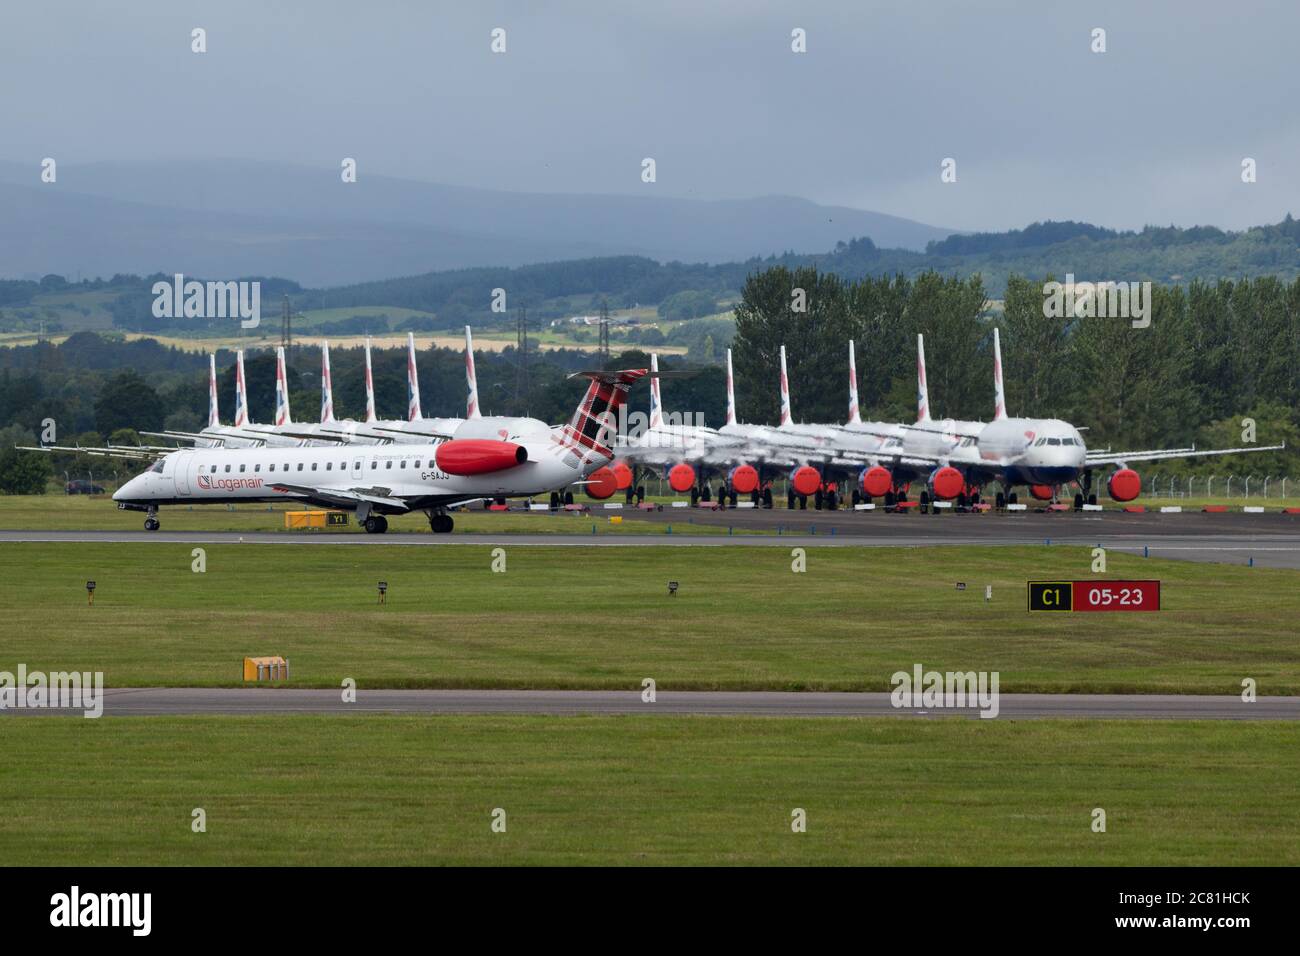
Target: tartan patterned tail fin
{"x":597,"y":413}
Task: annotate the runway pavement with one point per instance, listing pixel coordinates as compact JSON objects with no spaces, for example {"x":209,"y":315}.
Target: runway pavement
{"x":124,"y":702}
{"x":1271,"y":540}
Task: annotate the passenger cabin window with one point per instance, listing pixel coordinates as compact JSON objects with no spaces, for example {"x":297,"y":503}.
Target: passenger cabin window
{"x":313,"y":466}
{"x":227,"y":469}
{"x":300,"y":466}
{"x":329,"y":466}
{"x":214,"y":470}
{"x":388,"y":464}
{"x":257,"y":468}
{"x":403,"y":462}
{"x":272,"y":468}
{"x":241,"y":468}
{"x":374,"y":465}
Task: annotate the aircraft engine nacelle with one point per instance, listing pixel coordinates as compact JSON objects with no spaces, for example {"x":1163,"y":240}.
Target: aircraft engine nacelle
{"x":478,"y":456}
{"x":622,"y":475}
{"x":805,"y":480}
{"x":1041,"y":492}
{"x":1124,"y":485}
{"x":681,"y":478}
{"x":945,"y":483}
{"x":602,"y":483}
{"x":876,"y":481}
{"x":743,"y":479}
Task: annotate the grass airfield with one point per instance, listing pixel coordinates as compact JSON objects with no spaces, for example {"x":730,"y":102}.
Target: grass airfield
{"x":601,"y":618}
{"x":391,"y":790}
{"x":706,"y":791}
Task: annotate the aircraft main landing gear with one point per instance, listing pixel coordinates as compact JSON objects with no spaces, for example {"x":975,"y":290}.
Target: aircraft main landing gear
{"x":375,"y":524}
{"x":441,"y":523}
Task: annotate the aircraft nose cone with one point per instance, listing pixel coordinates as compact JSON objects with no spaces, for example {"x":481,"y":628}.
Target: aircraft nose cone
{"x":125,"y":492}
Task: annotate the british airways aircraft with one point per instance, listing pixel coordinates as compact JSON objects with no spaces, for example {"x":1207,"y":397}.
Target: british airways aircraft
{"x":955,"y":459}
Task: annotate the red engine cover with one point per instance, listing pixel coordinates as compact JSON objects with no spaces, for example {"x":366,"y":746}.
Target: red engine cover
{"x":744,"y":479}
{"x":602,"y":483}
{"x":681,"y":478}
{"x":877,"y":482}
{"x":1124,"y":485}
{"x":478,"y":456}
{"x":946,"y":483}
{"x":1041,"y":492}
{"x":622,"y":475}
{"x":805,"y":480}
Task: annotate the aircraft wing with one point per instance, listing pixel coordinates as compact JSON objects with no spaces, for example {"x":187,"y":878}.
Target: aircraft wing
{"x":193,"y":436}
{"x":414,"y":433}
{"x":971,"y":430}
{"x":1123,"y":458}
{"x":129,"y":452}
{"x":302,"y":436}
{"x":346,"y":498}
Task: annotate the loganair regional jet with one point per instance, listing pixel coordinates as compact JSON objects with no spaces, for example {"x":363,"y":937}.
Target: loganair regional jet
{"x":486,"y":457}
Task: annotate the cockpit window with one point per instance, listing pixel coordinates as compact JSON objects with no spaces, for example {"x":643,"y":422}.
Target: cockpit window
{"x":157,"y":467}
{"x":1053,"y":441}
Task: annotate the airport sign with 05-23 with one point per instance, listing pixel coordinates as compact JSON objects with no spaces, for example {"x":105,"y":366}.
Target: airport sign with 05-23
{"x":1094,"y":595}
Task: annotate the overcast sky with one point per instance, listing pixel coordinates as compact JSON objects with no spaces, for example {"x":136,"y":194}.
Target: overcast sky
{"x":1152,"y":131}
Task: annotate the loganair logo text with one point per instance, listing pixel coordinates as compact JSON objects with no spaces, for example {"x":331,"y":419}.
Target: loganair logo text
{"x":931,"y":690}
{"x":64,"y":690}
{"x":208,"y":300}
{"x":207,"y":483}
{"x":75,"y":908}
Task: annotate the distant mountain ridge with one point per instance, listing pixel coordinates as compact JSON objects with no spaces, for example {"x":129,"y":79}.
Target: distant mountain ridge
{"x":240,"y":217}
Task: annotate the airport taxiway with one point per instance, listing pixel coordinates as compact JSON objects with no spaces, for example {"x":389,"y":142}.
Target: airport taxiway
{"x":175,"y":701}
{"x":1267,"y":540}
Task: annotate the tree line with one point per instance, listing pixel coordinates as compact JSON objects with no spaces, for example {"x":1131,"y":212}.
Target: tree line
{"x":1216,"y":356}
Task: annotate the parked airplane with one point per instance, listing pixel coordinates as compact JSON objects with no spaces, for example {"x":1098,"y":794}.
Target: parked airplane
{"x":812,"y":456}
{"x":684,"y":454}
{"x":488,"y":457}
{"x":1041,"y":453}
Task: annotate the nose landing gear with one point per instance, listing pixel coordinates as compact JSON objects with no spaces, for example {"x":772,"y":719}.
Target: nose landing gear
{"x":151,"y":522}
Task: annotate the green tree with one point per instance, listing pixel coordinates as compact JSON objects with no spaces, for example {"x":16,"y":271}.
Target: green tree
{"x":22,"y":472}
{"x":128,"y":401}
{"x":808,"y":312}
{"x":1037,"y":353}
